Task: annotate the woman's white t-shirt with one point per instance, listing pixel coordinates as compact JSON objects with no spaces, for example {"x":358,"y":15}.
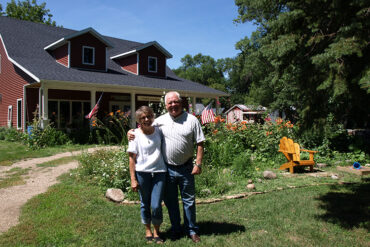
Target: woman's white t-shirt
{"x":148,"y":151}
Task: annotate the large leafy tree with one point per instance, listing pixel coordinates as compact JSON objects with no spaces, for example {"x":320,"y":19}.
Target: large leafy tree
{"x":205,"y":70}
{"x":29,"y":11}
{"x":308,"y":56}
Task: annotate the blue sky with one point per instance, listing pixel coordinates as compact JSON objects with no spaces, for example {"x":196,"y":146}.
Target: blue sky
{"x":181,"y":27}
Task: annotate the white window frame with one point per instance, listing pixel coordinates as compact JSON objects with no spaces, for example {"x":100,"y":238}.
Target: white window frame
{"x":10,"y":115}
{"x":156,"y":64}
{"x":19,"y":119}
{"x":93,"y":54}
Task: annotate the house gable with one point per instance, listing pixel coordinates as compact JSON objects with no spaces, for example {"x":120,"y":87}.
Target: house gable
{"x":147,"y":59}
{"x":77,"y":46}
{"x":12,"y":81}
{"x":148,"y":53}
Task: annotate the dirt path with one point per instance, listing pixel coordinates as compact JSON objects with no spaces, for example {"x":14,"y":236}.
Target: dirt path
{"x":37,"y":181}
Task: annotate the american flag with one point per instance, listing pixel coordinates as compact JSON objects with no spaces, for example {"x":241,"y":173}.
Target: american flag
{"x":208,"y":115}
{"x":95,"y":109}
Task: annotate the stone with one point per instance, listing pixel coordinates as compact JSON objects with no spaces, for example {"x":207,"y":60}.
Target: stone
{"x":334,"y":176}
{"x":259,"y":180}
{"x":206,"y":191}
{"x":250,"y":181}
{"x":321,"y":165}
{"x":226,"y":170}
{"x":115,"y":195}
{"x":269,"y":175}
{"x":251,"y":187}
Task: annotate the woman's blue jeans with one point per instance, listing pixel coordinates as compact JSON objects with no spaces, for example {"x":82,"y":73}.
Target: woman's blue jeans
{"x":151,"y":194}
{"x":180,"y":177}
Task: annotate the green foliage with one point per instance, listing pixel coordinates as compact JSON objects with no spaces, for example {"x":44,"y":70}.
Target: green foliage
{"x":112,"y":129}
{"x":10,"y":134}
{"x":303,"y":57}
{"x":29,"y":11}
{"x":107,"y":169}
{"x":47,"y":137}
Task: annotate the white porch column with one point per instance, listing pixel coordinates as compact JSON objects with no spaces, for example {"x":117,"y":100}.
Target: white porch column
{"x":194,"y":104}
{"x":44,"y":106}
{"x":133,"y":109}
{"x":217,"y":105}
{"x":40,"y":102}
{"x":92,"y":99}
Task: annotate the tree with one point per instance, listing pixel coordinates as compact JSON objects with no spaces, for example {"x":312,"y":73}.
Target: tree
{"x":29,"y":11}
{"x":205,"y":70}
{"x":308,"y":56}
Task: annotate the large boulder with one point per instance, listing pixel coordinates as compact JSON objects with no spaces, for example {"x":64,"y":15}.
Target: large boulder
{"x":115,"y":195}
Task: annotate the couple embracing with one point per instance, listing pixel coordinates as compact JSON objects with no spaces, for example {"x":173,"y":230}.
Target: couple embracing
{"x":161,"y":162}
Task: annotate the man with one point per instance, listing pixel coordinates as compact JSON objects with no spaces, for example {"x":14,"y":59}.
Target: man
{"x":181,"y":131}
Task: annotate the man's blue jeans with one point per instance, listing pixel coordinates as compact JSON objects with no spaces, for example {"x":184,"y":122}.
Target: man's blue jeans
{"x":151,"y":194}
{"x":181,"y":177}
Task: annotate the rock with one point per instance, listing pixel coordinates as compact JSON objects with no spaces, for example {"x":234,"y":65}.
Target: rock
{"x":269,"y":175}
{"x":115,"y":195}
{"x":334,"y":176}
{"x":226,"y":170}
{"x":251,"y":187}
{"x":250,"y":181}
{"x":259,"y":180}
{"x":206,"y":191}
{"x":321,"y":165}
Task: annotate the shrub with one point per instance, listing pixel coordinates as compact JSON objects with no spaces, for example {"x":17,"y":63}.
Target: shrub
{"x":47,"y":137}
{"x":10,"y":134}
{"x":107,"y":169}
{"x":112,"y":129}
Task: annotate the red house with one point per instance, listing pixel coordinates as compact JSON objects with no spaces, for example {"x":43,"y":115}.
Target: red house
{"x":62,"y":72}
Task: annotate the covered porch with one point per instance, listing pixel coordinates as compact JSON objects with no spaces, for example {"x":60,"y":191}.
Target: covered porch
{"x":65,"y":104}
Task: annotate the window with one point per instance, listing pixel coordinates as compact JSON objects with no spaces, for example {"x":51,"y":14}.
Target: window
{"x":68,"y":114}
{"x":10,"y":115}
{"x":152,"y":64}
{"x":88,"y":55}
{"x":19,"y":113}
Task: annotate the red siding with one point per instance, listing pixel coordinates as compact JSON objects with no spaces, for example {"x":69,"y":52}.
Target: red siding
{"x":129,"y":63}
{"x":161,"y":62}
{"x":12,"y":80}
{"x":76,"y":52}
{"x":61,"y":55}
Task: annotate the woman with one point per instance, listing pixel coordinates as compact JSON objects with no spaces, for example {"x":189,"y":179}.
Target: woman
{"x":148,"y":172}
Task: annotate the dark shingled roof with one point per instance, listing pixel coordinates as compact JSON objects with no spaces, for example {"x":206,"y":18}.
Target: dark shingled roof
{"x":25,"y":42}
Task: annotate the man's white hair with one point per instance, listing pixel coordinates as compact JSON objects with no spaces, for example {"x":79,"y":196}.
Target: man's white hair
{"x":172,"y":92}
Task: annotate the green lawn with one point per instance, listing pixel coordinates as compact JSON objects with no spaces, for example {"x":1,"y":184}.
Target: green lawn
{"x":11,"y":152}
{"x":77,"y":214}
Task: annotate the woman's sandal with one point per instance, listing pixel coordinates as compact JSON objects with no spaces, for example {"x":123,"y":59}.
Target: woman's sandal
{"x":158,"y":240}
{"x":149,"y":239}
